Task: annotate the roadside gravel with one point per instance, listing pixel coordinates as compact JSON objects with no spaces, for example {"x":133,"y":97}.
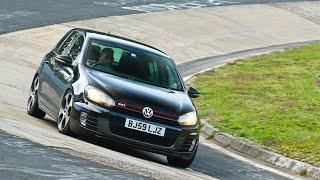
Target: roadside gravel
{"x":307,"y":9}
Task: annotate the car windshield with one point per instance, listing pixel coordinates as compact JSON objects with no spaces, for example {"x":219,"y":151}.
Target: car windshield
{"x":132,"y":63}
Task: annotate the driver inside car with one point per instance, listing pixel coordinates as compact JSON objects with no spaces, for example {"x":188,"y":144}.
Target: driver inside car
{"x":105,"y":61}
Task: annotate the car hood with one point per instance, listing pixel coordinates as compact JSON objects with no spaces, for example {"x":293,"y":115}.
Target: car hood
{"x":128,"y":92}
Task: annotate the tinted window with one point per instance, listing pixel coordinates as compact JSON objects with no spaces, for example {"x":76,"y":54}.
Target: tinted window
{"x":64,"y":48}
{"x":132,"y":63}
{"x":75,"y":50}
{"x":56,"y":49}
{"x":72,"y":45}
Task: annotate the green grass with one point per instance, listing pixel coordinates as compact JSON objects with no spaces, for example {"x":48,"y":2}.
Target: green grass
{"x":272,"y":100}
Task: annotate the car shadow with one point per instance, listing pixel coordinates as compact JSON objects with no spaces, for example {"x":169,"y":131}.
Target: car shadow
{"x":98,"y":141}
{"x":123,"y":149}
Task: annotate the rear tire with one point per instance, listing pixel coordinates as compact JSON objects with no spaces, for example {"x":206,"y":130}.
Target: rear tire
{"x":179,"y":162}
{"x":64,"y":114}
{"x":33,"y":104}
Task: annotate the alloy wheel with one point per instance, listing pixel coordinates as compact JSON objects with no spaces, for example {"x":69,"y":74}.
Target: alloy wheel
{"x":33,"y":93}
{"x":65,"y":110}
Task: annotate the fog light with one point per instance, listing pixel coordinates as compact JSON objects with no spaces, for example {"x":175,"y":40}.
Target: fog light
{"x":193,"y":144}
{"x":83,"y":118}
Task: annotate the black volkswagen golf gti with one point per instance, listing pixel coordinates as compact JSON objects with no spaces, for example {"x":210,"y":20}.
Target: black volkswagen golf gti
{"x":119,"y":89}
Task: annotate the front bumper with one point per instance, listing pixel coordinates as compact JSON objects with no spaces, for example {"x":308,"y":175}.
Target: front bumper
{"x":109,"y":124}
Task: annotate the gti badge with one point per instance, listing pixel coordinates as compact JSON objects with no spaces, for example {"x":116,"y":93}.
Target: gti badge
{"x":147,"y":112}
{"x":121,"y":104}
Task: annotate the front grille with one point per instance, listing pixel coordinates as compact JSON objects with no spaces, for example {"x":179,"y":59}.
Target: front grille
{"x":136,"y":111}
{"x":167,"y":141}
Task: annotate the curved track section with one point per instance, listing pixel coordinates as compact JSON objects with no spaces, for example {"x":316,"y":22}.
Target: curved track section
{"x":229,"y":28}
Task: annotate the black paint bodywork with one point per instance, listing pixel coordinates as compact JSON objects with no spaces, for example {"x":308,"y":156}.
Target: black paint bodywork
{"x":168,"y":105}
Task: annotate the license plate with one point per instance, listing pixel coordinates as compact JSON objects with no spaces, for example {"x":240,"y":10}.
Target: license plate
{"x":145,"y":127}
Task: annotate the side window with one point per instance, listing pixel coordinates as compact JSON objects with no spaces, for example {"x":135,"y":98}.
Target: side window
{"x":56,"y":48}
{"x":75,"y":50}
{"x":64,"y":48}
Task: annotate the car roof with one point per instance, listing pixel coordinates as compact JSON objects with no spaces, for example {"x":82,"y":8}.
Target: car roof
{"x":122,"y":40}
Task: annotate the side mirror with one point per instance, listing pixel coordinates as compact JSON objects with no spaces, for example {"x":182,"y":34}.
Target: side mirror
{"x":193,"y":93}
{"x":64,"y":60}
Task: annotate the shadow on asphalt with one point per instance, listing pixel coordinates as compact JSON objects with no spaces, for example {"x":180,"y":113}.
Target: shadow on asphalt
{"x":115,"y":146}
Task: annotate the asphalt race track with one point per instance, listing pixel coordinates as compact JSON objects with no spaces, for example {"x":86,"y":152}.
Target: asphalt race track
{"x":39,"y":161}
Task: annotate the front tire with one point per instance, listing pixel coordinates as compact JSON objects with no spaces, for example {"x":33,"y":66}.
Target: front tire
{"x":179,"y":162}
{"x":64,"y":114}
{"x":33,"y":104}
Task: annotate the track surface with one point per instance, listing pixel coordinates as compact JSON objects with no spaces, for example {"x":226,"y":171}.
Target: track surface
{"x":18,"y":14}
{"x":209,"y":161}
{"x":39,"y":162}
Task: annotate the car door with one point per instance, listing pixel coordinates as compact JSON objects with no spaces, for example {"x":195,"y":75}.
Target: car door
{"x":49,"y":79}
{"x":47,"y":73}
{"x":64,"y":75}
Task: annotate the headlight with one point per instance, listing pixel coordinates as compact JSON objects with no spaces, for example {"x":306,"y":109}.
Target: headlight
{"x":96,"y":95}
{"x":188,"y":119}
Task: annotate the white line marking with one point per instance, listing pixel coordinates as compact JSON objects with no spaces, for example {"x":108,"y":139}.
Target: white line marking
{"x":176,"y":6}
{"x":9,"y":15}
{"x":109,"y":3}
